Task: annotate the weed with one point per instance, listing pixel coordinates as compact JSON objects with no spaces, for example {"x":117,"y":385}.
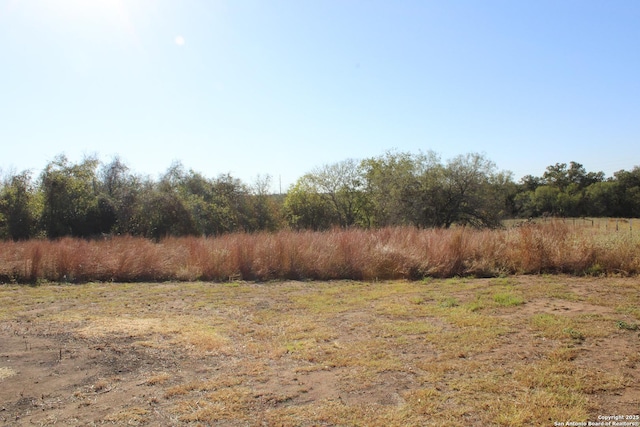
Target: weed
{"x":158,"y":379}
{"x":416,"y":300}
{"x":476,"y":305}
{"x":628,"y":326}
{"x":595,"y":270}
{"x":449,"y":302}
{"x":574,"y":334}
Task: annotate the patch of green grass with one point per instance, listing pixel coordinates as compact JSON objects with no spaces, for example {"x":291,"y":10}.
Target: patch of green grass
{"x":476,"y":305}
{"x":559,"y":327}
{"x":298,"y":346}
{"x":507,"y":299}
{"x":449,"y":302}
{"x":549,"y":325}
{"x":417,"y":300}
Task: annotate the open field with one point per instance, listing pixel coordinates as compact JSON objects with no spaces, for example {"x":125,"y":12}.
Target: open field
{"x":520,"y":350}
{"x":553,"y":246}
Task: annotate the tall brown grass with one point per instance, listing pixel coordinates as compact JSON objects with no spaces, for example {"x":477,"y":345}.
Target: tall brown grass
{"x":388,"y":253}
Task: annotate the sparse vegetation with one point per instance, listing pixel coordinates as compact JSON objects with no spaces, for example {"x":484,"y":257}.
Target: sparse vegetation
{"x":458,"y":351}
{"x":628,"y":326}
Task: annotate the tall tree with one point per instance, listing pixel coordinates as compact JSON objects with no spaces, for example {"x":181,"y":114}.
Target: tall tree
{"x":70,"y":198}
{"x":387,"y":179}
{"x":629,"y":192}
{"x":602,"y":199}
{"x":463,"y":191}
{"x":556,"y":176}
{"x":306,"y":208}
{"x":19,"y":208}
{"x":119,"y":197}
{"x":265,"y":211}
{"x":343,"y":184}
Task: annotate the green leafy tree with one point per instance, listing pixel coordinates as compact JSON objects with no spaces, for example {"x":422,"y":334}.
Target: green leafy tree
{"x":19,"y":208}
{"x":524,"y":204}
{"x":545,"y":200}
{"x":530,"y":182}
{"x":577,"y":175}
{"x":167,"y":205}
{"x":562,"y":190}
{"x":306,"y":208}
{"x":70,"y":202}
{"x":628,"y":190}
{"x":464,"y":191}
{"x":602,"y":199}
{"x":265,"y":210}
{"x":330,"y":195}
{"x":217,"y":205}
{"x":161,"y":213}
{"x":556,"y":176}
{"x":168,"y":215}
{"x":232,"y":202}
{"x":503,"y":190}
{"x":119,"y":198}
{"x":425,"y":199}
{"x":389,"y":180}
{"x":343,"y":185}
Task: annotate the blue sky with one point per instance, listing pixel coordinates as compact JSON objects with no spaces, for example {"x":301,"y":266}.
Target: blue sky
{"x":280,"y":87}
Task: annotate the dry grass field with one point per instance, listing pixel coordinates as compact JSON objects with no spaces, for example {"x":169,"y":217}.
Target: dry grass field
{"x":552,"y":247}
{"x":510,"y":351}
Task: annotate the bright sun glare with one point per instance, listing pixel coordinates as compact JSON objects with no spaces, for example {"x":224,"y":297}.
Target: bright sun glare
{"x":92,"y":12}
{"x":92,"y":6}
{"x":112,"y":14}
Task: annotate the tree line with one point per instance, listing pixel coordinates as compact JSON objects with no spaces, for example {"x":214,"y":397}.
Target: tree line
{"x":91,"y":199}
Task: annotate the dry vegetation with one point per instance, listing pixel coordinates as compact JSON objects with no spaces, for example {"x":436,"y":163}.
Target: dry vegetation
{"x":514,"y":351}
{"x":390,"y":253}
{"x":403,"y":342}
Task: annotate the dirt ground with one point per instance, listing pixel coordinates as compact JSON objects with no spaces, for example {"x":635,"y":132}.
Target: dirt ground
{"x":530,"y":350}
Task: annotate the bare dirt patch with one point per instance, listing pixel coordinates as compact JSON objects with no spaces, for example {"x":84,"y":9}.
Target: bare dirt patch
{"x":527,"y":350}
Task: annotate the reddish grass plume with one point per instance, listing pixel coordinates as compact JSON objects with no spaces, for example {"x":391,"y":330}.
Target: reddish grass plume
{"x":379,"y":254}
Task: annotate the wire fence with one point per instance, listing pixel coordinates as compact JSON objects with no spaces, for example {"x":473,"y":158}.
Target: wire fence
{"x":607,"y":224}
